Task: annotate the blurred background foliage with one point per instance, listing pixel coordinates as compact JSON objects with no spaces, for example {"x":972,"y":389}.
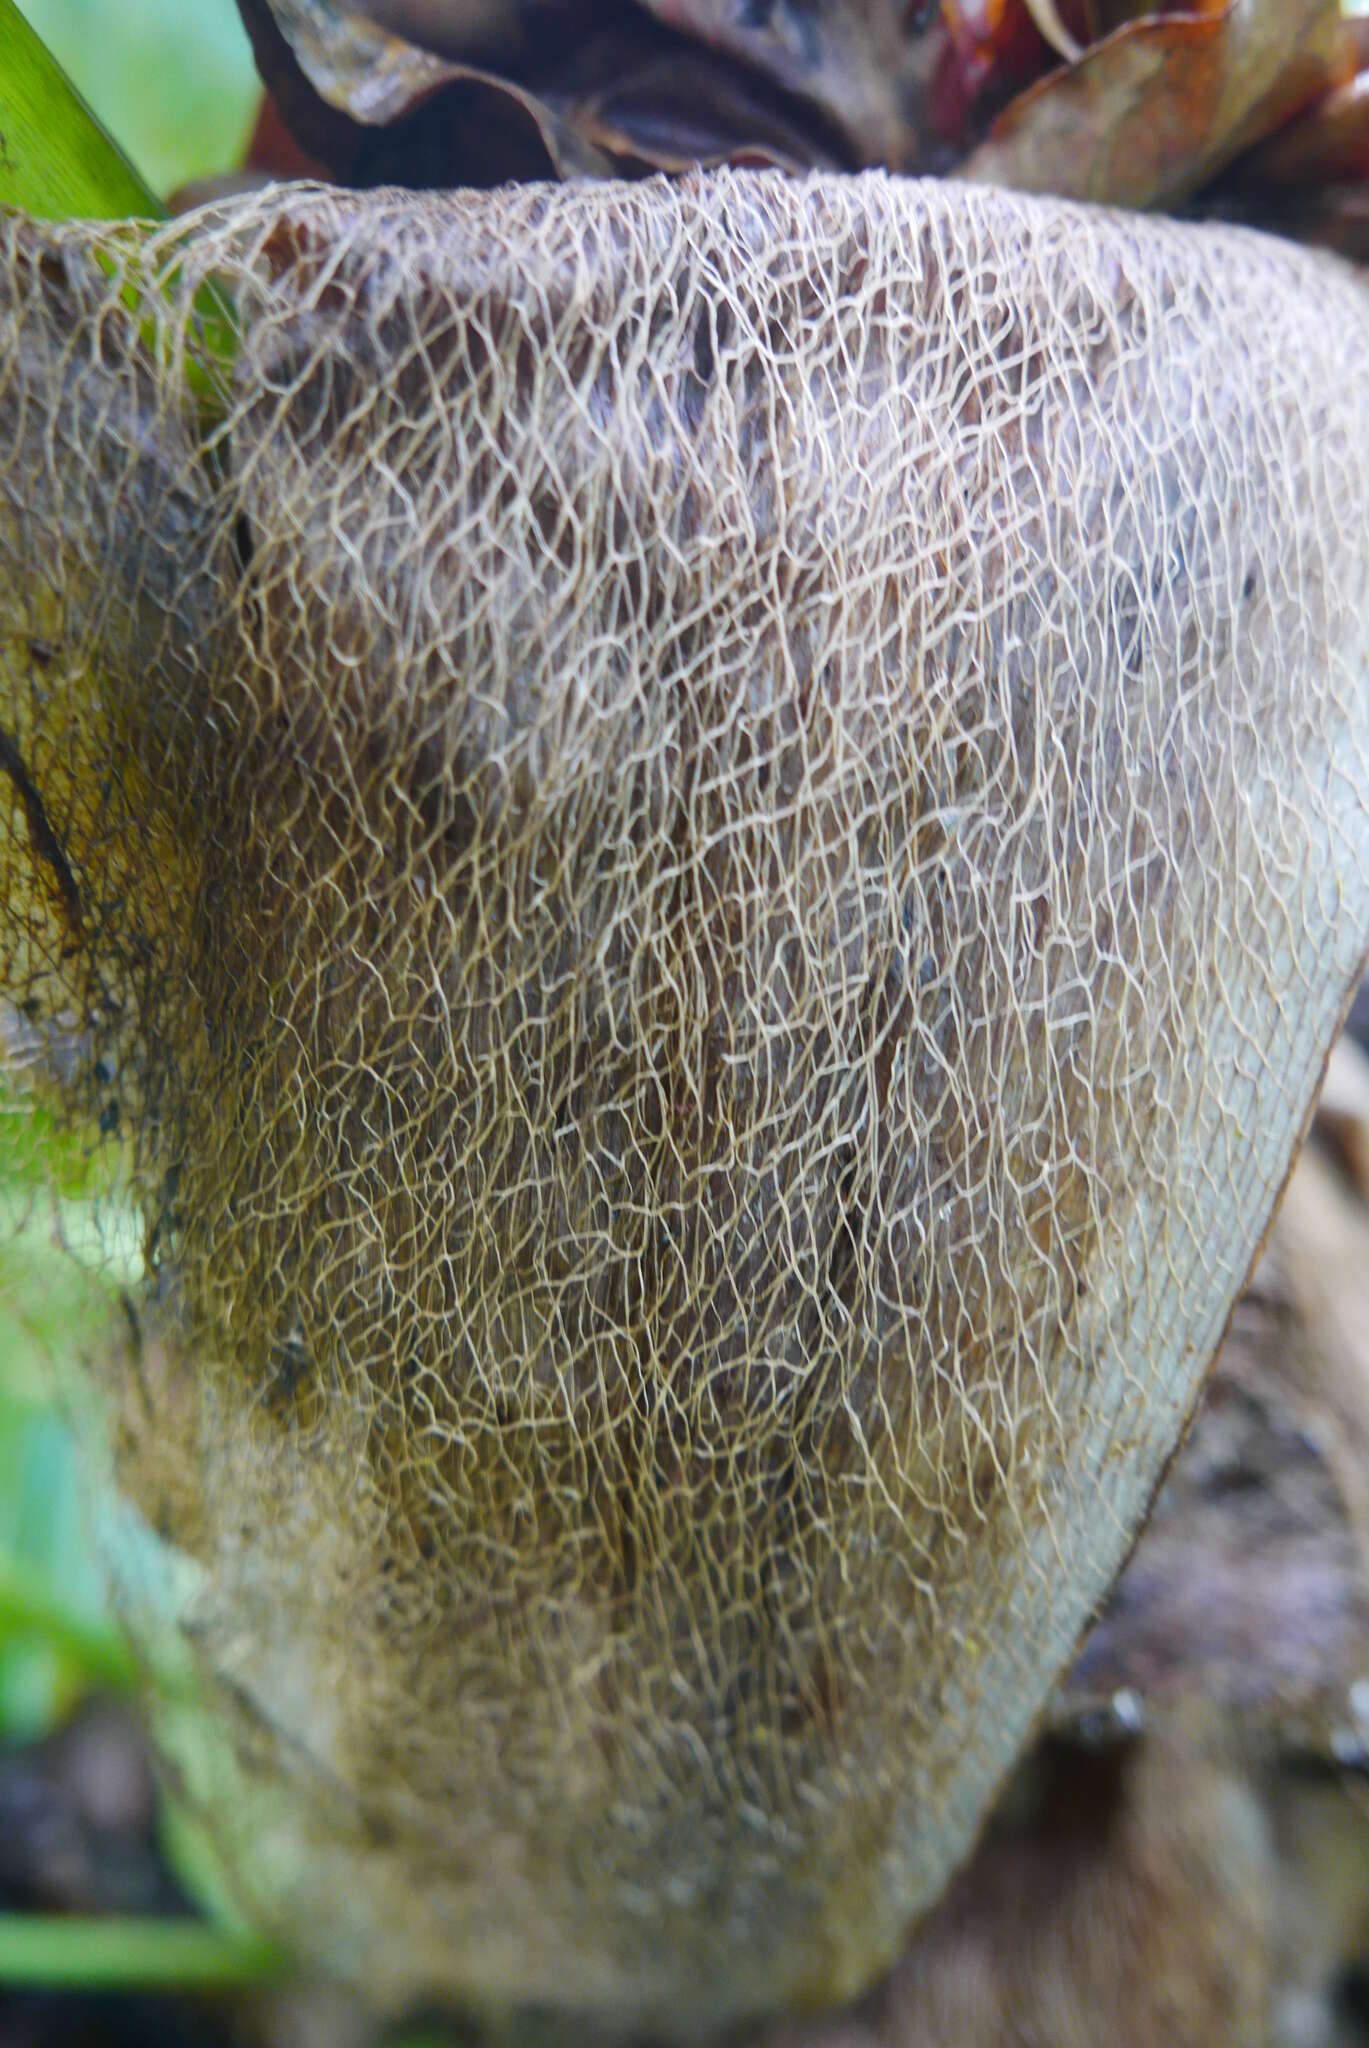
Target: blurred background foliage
{"x":56,"y":1640}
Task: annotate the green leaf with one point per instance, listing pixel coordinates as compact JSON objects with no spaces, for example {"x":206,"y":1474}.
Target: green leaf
{"x":173,"y":80}
{"x":56,"y":160}
{"x":116,"y":1953}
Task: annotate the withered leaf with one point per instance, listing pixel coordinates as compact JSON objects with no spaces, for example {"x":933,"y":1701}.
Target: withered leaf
{"x":854,"y":59}
{"x":433,"y":92}
{"x":1328,"y":145}
{"x":572,"y":94}
{"x":1161,"y":105}
{"x":980,"y":54}
{"x":362,"y":69}
{"x":415,"y":91}
{"x":859,"y":66}
{"x":375,"y":109}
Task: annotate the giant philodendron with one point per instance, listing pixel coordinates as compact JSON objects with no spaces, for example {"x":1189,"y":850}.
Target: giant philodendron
{"x":707,"y":837}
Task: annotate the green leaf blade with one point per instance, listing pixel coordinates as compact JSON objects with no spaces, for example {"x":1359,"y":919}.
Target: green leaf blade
{"x":56,"y":160}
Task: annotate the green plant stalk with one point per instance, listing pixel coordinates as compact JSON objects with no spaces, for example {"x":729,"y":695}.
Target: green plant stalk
{"x":56,"y":160}
{"x":116,"y":1954}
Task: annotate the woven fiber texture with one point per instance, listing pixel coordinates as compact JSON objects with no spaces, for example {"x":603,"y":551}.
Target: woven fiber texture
{"x":704,"y":841}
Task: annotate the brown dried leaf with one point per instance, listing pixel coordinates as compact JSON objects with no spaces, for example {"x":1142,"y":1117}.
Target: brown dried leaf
{"x":845,"y":57}
{"x":371,"y":75}
{"x":854,"y":59}
{"x":1328,"y":145}
{"x":981,"y":54}
{"x":1159,"y":106}
{"x":419,"y":120}
{"x":577,"y":93}
{"x":639,"y":85}
{"x":1343,"y":1112}
{"x":449,"y":92}
{"x":479,"y":31}
{"x":1126,"y":1896}
{"x":672,"y":111}
{"x":1247,"y":1598}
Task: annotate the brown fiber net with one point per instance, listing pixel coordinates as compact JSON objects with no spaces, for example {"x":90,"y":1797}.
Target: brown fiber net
{"x":704,"y":839}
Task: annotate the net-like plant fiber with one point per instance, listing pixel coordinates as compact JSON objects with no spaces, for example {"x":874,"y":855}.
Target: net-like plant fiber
{"x":705,"y":840}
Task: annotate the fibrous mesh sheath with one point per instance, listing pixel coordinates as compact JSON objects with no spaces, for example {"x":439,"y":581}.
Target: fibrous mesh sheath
{"x":706,"y":839}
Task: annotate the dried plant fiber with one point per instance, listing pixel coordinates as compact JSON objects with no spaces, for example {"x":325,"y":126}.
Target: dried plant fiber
{"x":706,"y":839}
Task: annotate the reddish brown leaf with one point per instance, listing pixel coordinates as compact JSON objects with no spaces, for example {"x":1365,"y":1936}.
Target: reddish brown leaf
{"x":982,"y":52}
{"x":1162,"y":104}
{"x":274,"y":150}
{"x":1328,"y":145}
